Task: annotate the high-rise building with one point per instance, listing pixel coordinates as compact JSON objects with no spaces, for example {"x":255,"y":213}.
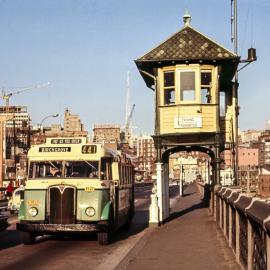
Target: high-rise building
{"x":72,"y":122}
{"x":72,"y":127}
{"x":247,"y":156}
{"x":146,"y":156}
{"x":106,"y":133}
{"x":264,"y":148}
{"x":19,"y":116}
{"x":15,"y":140}
{"x":250,"y":135}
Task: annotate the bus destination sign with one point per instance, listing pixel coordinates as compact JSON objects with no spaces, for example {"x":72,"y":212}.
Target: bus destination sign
{"x":54,"y":149}
{"x":89,"y":149}
{"x":66,"y":141}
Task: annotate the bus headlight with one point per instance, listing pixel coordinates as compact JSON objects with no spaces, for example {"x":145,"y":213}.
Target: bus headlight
{"x":90,"y":211}
{"x":33,"y":211}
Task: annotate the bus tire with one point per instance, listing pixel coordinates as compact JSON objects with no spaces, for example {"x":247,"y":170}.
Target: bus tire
{"x":104,"y":237}
{"x":28,"y":238}
{"x":129,"y":217}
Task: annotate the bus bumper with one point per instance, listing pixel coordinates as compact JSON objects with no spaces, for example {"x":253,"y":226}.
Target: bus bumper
{"x":54,"y":228}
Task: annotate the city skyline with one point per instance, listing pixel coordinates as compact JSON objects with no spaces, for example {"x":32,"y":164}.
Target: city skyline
{"x":85,"y":48}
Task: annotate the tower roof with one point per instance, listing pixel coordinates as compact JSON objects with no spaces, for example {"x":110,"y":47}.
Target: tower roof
{"x":185,"y":47}
{"x":187,"y":44}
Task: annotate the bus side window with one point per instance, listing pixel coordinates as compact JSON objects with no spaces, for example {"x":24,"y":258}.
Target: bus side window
{"x":125,"y":174}
{"x":120,"y":173}
{"x":109,"y":169}
{"x":128,"y":173}
{"x":105,"y":170}
{"x":32,"y":170}
{"x":102,"y":169}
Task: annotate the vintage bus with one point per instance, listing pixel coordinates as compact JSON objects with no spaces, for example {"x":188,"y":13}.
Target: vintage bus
{"x":75,"y":186}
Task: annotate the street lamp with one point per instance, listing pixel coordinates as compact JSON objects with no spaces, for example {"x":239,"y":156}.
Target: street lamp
{"x":52,"y":115}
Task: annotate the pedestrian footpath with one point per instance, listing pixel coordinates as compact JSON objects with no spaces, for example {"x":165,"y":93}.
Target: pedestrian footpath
{"x":190,"y":240}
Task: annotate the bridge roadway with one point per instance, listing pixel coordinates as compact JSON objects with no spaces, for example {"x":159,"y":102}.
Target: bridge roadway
{"x":76,"y":253}
{"x":190,"y":241}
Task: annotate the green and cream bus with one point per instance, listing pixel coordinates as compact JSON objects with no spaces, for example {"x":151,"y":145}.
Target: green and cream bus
{"x":75,"y":186}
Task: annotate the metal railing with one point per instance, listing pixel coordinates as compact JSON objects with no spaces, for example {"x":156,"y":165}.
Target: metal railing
{"x":243,"y":239}
{"x":245,"y":222}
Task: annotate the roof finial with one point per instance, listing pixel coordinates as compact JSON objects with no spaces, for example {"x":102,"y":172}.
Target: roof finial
{"x":187,"y":18}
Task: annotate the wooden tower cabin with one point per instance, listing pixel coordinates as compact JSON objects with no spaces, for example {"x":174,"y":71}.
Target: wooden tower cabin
{"x":192,"y":77}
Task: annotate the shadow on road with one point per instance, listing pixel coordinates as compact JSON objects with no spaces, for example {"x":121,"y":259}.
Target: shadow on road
{"x":9,"y":238}
{"x":178,"y":214}
{"x":139,"y":223}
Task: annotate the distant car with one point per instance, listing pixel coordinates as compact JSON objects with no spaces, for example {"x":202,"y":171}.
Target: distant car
{"x":15,"y":201}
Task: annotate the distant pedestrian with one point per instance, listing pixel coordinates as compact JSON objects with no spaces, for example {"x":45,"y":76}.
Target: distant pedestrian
{"x":10,"y":189}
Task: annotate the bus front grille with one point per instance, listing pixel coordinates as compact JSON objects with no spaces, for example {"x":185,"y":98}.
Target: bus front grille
{"x":62,"y":205}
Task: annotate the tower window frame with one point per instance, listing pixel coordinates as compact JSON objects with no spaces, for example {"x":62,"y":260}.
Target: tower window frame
{"x":206,"y":91}
{"x":169,"y":87}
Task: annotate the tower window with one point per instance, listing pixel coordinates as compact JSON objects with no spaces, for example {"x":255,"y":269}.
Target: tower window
{"x":206,"y":80}
{"x":169,"y":88}
{"x":187,"y":86}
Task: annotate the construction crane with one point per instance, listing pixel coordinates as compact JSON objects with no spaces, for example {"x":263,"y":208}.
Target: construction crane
{"x":127,"y":125}
{"x":6,"y":97}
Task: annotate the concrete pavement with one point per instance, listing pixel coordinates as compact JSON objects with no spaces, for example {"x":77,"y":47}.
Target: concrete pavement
{"x":190,"y":240}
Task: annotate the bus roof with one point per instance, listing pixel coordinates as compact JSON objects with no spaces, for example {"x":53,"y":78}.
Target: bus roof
{"x":70,"y":149}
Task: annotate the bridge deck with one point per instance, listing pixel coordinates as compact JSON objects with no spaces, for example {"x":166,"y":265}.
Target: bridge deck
{"x":191,"y":240}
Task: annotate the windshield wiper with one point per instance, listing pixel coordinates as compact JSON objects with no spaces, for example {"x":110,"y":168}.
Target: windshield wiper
{"x":53,"y":165}
{"x":92,"y":166}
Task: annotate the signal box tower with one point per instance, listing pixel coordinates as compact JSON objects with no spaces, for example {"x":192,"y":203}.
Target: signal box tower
{"x":192,"y":77}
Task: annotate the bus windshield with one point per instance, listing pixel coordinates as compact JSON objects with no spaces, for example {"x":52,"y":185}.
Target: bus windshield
{"x":64,"y":169}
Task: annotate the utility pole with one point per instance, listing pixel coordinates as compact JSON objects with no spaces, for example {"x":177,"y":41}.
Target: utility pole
{"x":234,"y":39}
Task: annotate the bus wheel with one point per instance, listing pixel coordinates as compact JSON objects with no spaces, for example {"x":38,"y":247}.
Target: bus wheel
{"x":129,"y":218}
{"x":28,"y":238}
{"x":104,"y":238}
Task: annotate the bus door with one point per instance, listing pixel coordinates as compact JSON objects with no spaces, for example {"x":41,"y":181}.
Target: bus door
{"x":114,"y":197}
{"x":106,"y":173}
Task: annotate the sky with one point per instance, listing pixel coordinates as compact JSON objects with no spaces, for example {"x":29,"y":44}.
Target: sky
{"x":85,"y":48}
